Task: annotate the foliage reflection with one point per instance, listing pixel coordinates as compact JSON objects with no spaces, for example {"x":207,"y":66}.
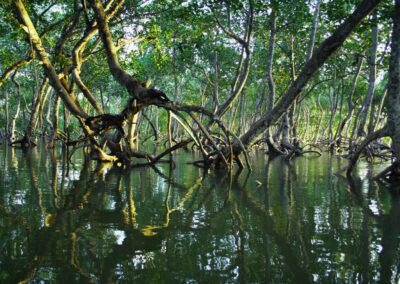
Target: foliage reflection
{"x":294,"y":221}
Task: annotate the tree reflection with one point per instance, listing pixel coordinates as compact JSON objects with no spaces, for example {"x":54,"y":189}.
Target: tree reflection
{"x":290,"y":222}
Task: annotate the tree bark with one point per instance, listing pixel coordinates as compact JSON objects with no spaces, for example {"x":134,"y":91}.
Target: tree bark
{"x":393,"y":93}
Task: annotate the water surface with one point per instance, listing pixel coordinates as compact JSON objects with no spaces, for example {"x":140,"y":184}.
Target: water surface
{"x":286,"y":222}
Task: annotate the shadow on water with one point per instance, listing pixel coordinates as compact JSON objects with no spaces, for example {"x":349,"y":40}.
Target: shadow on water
{"x":286,"y":222}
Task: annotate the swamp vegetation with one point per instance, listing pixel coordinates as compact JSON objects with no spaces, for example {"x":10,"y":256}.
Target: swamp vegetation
{"x":236,"y":128}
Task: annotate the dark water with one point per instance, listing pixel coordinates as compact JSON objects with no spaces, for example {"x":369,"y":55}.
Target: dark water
{"x":293,"y":222}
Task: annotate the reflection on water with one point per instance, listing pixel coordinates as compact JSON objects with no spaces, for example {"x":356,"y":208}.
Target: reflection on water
{"x":293,"y":222}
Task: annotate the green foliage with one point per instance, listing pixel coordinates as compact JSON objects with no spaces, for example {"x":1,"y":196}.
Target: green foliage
{"x":181,"y":39}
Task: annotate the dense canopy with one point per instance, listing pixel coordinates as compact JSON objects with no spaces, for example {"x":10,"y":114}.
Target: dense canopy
{"x":220,"y":77}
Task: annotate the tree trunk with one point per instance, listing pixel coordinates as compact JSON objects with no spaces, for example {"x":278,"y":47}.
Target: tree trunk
{"x":215,"y":102}
{"x":367,"y":104}
{"x":12,"y":135}
{"x":270,"y":59}
{"x":132,"y":138}
{"x":41,"y":108}
{"x":48,"y":124}
{"x":241,"y":114}
{"x":320,"y":120}
{"x":35,"y":110}
{"x":55,"y":123}
{"x":270,"y":77}
{"x":6,"y":118}
{"x":334,"y":105}
{"x":379,"y":118}
{"x":313,"y":30}
{"x":393,"y":94}
{"x":350,"y":104}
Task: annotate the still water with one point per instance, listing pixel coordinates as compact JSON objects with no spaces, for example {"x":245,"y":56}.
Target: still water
{"x":295,"y":222}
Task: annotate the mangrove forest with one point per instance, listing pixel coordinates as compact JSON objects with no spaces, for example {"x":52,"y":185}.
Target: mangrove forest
{"x":200,"y":141}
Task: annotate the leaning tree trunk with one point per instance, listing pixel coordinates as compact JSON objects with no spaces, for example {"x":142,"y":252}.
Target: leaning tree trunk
{"x":325,"y":50}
